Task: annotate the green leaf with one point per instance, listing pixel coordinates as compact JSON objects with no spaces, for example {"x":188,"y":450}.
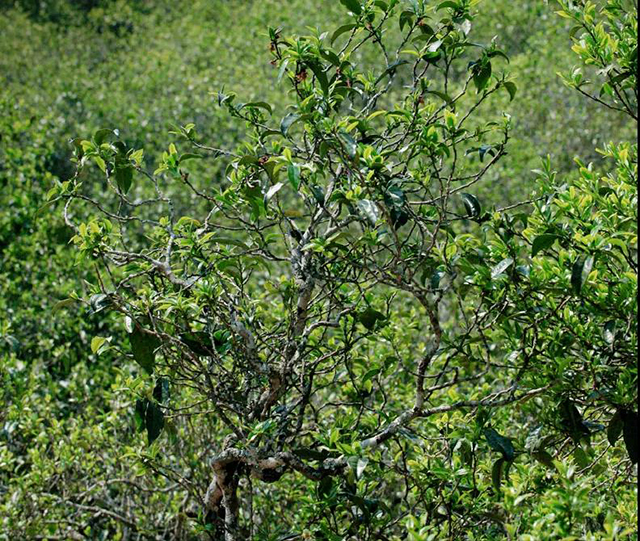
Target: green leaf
{"x":318,"y":194}
{"x":143,"y":347}
{"x":369,"y":210}
{"x":293,"y":172}
{"x":580,"y":274}
{"x":482,"y":75}
{"x":282,"y":70}
{"x":140,"y":414}
{"x":199,"y":342}
{"x":544,"y":458}
{"x":512,"y":89}
{"x":154,"y":421}
{"x":228,"y":241}
{"x":99,"y":302}
{"x":370,"y":317}
{"x":102,"y":135}
{"x":500,"y":443}
{"x":615,"y":428}
{"x":391,"y":69}
{"x":473,"y":206}
{"x":349,"y":143}
{"x":342,"y":30}
{"x":100,"y":163}
{"x":248,"y":160}
{"x":496,"y":473}
{"x":352,"y":5}
{"x":395,"y":200}
{"x":448,"y":4}
{"x":96,"y":343}
{"x":361,"y":466}
{"x":610,"y":332}
{"x":124,"y":177}
{"x":501,"y":267}
{"x":433,"y":47}
{"x":161,"y":391}
{"x":441,"y":95}
{"x":630,"y":433}
{"x":62,"y":304}
{"x":190,"y":156}
{"x":542,"y":243}
{"x":287,"y":122}
{"x":436,"y":279}
{"x":572,"y":421}
{"x":406,"y":18}
{"x":581,"y":457}
{"x":260,"y":105}
{"x":321,"y":76}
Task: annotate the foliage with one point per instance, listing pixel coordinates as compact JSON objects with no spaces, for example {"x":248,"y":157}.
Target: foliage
{"x":329,"y":313}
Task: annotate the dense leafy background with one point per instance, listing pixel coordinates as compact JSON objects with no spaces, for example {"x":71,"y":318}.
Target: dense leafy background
{"x":72,"y":463}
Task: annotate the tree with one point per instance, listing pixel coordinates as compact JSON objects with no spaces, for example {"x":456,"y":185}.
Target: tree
{"x":340,"y":291}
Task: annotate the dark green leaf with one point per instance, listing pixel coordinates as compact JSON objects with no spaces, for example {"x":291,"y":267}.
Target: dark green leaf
{"x":498,"y":52}
{"x":500,"y":443}
{"x":544,"y":458}
{"x":248,"y":160}
{"x":352,"y":5}
{"x":370,"y":318}
{"x":473,"y":206}
{"x":572,"y":421}
{"x":161,"y":391}
{"x":229,"y":241}
{"x":318,"y":194}
{"x":287,"y":122}
{"x":293,"y":172}
{"x":395,"y":200}
{"x":482,"y":75}
{"x":350,"y":144}
{"x":102,"y":135}
{"x":581,"y":457}
{"x":124,"y":177}
{"x":260,"y":105}
{"x":616,"y":426}
{"x":140,"y":414}
{"x":143,"y":347}
{"x":62,"y":304}
{"x":406,"y":18}
{"x":199,"y":342}
{"x":342,"y":30}
{"x":154,"y":421}
{"x":190,"y":156}
{"x":542,"y":243}
{"x":441,"y":95}
{"x":324,"y":487}
{"x":496,"y":473}
{"x":580,"y":274}
{"x":321,"y":76}
{"x":448,"y":4}
{"x":512,"y":89}
{"x":392,"y":69}
{"x":630,"y":433}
